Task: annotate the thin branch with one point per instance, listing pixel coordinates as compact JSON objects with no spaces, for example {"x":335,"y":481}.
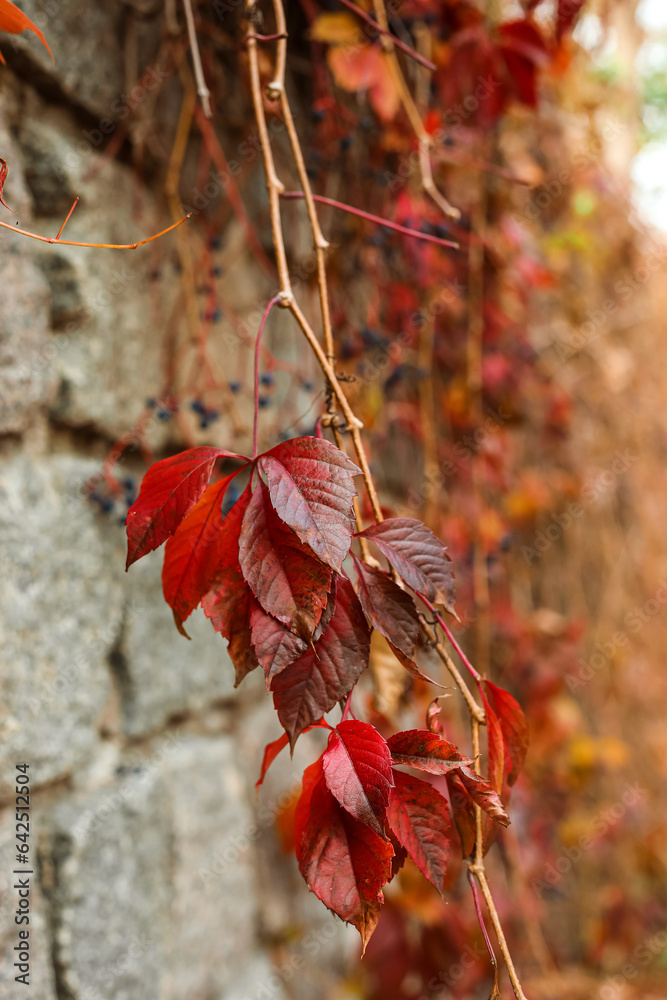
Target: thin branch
{"x":384,"y":31}
{"x":388,"y":43}
{"x":202,"y":90}
{"x":231,"y":190}
{"x":487,"y":940}
{"x":69,"y":216}
{"x":502,"y":942}
{"x":274,"y":301}
{"x":377,"y":219}
{"x":476,"y":712}
{"x":101,"y":246}
{"x":464,"y":659}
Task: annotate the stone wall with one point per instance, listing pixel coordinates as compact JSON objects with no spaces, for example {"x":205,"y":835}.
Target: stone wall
{"x":158,"y":872}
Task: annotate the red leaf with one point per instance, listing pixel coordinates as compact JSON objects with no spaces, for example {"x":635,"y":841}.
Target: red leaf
{"x":392,"y":612}
{"x":514,"y":727}
{"x":169,"y":491}
{"x":228,"y":603}
{"x":275,"y":646}
{"x":389,"y":609}
{"x":4,"y":170}
{"x":312,"y":685}
{"x":417,"y":555}
{"x":523,"y":50}
{"x":289,"y":583}
{"x":426,"y":751}
{"x":496,"y":745}
{"x":463,"y":811}
{"x":358,"y":772}
{"x":496,"y":766}
{"x":418,"y":817}
{"x":14,"y":21}
{"x":312,"y":490}
{"x":483,"y":795}
{"x":193,"y":554}
{"x":344,"y":862}
{"x":472,"y":82}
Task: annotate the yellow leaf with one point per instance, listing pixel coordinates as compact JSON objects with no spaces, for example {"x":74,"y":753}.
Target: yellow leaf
{"x":341,"y":28}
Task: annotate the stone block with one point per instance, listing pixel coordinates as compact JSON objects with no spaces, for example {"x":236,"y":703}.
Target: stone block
{"x":27,"y":355}
{"x":111,"y":895}
{"x":60,"y":615}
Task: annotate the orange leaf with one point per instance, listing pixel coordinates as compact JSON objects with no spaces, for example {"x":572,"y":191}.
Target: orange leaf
{"x":366,"y":67}
{"x":14,"y":21}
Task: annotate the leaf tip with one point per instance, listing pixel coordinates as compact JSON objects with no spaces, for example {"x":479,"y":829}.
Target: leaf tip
{"x":179,"y":625}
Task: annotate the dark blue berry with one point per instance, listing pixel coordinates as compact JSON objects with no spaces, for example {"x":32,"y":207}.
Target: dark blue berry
{"x":267,"y":378}
{"x":197,"y":406}
{"x":264,"y":401}
{"x":234,"y":387}
{"x":164,"y":415}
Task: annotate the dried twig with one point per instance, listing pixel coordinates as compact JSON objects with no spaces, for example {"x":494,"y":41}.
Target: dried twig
{"x":202,"y":90}
{"x":101,"y":246}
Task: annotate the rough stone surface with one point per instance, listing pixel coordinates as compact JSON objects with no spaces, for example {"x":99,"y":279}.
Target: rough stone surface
{"x":60,"y":614}
{"x":27,"y":375}
{"x":87,"y":74}
{"x":153,"y":875}
{"x":215,"y":902}
{"x":159,"y":672}
{"x":108,"y":309}
{"x":111,"y":893}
